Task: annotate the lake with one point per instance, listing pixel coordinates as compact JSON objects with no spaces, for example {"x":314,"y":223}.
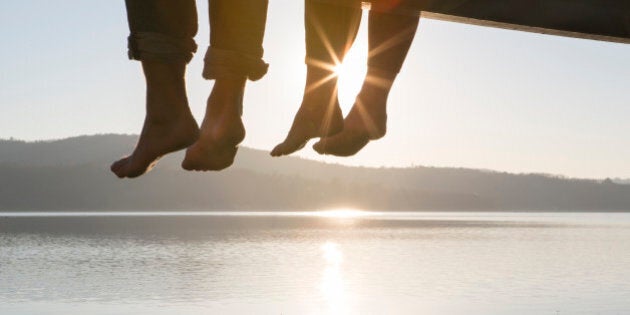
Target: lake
{"x":336,"y":262}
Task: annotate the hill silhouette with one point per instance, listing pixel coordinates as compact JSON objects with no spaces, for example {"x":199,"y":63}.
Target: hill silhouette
{"x":72,"y":174}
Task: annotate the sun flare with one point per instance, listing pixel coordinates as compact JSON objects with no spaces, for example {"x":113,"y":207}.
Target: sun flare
{"x":352,"y":70}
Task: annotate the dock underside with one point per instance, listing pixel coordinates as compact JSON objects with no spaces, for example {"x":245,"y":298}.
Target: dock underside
{"x":606,"y":20}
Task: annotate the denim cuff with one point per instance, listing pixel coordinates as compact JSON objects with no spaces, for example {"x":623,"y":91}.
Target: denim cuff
{"x":221,"y":63}
{"x":160,"y":47}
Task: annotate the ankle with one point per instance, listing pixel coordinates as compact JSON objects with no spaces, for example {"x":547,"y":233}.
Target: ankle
{"x":161,"y":120}
{"x":319,"y":71}
{"x":163,"y":73}
{"x":166,"y":90}
{"x":320,"y":79}
{"x":226,"y":97}
{"x":377,"y":78}
{"x":230,"y":85}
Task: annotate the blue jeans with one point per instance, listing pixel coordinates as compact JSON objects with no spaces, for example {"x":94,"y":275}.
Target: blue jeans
{"x":163,"y":31}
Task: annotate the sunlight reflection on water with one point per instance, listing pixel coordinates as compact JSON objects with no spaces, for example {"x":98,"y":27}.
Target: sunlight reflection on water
{"x":399,"y":263}
{"x":332,"y":284}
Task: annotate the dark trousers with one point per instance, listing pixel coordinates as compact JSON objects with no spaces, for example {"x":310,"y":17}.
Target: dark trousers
{"x":163,"y":30}
{"x":331,"y":29}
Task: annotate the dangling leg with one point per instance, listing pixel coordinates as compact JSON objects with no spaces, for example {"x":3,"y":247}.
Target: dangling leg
{"x":235,"y":54}
{"x":161,"y":38}
{"x":330,"y":32}
{"x":390,"y":36}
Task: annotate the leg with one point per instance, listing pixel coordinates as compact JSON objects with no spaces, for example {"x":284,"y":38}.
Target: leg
{"x":390,"y":36}
{"x":330,"y":32}
{"x":161,"y":38}
{"x":237,"y":29}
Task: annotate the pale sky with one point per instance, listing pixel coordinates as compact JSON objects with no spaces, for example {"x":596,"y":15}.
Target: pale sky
{"x":467,"y":96}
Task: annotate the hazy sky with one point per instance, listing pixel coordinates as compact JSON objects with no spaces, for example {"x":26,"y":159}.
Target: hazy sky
{"x":467,"y":96}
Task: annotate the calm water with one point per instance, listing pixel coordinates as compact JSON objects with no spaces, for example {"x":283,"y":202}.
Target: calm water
{"x":297,"y":263}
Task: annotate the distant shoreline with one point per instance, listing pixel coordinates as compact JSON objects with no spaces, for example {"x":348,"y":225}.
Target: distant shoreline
{"x":201,"y":223}
{"x":245,"y":212}
{"x":72,"y":175}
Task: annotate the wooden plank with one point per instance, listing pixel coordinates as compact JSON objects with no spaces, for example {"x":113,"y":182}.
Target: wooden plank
{"x":606,"y":20}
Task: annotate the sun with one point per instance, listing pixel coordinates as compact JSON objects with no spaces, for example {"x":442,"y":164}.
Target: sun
{"x":350,"y":75}
{"x":352,"y":71}
{"x":343,"y":213}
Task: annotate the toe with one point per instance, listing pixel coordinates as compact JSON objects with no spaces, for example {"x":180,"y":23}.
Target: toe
{"x":281,"y":149}
{"x":288,"y":146}
{"x":118,"y":167}
{"x":321,"y":146}
{"x":118,"y":164}
{"x":276,"y":151}
{"x":188,"y":165}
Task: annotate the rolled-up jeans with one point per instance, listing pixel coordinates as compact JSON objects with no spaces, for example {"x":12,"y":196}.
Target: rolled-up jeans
{"x":163,"y":31}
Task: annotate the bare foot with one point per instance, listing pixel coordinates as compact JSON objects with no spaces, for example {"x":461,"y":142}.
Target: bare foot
{"x":318,"y":116}
{"x":366,"y":121}
{"x":222,"y":129}
{"x":156,"y":140}
{"x":169,"y":125}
